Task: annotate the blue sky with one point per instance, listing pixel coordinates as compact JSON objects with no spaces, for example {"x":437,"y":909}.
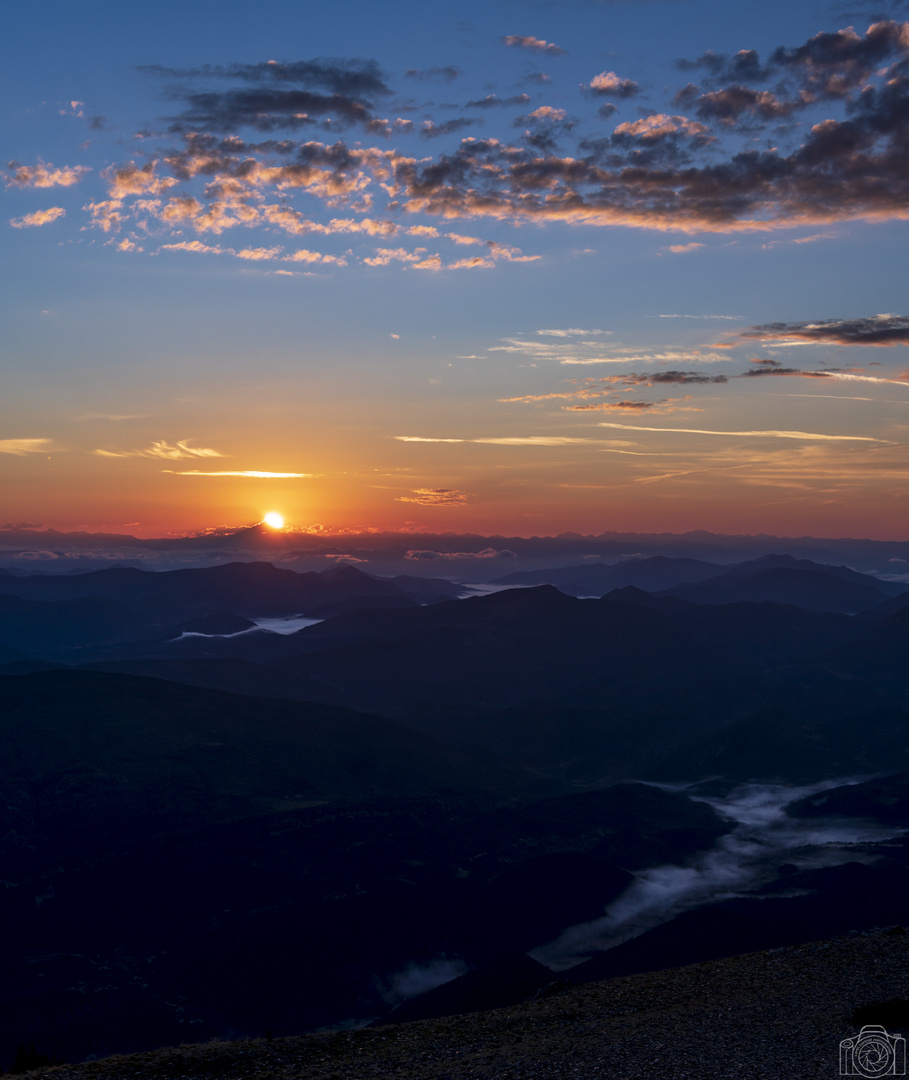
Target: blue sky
{"x":501,"y":267}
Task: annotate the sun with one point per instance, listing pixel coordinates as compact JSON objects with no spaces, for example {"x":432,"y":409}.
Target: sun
{"x":274,"y":520}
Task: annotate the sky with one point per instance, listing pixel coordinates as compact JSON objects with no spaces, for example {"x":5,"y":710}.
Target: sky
{"x":505,"y":267}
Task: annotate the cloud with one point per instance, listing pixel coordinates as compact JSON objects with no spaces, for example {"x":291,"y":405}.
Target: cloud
{"x":267,"y":109}
{"x":652,"y":172}
{"x":589,"y":388}
{"x":832,"y":64}
{"x":572,"y":331}
{"x":744,"y":65}
{"x":546,"y":113}
{"x":608,"y":84}
{"x":532,"y":44}
{"x":507,"y":440}
{"x":658,"y":126}
{"x":249,"y":473}
{"x":435,"y":497}
{"x":448,"y":73}
{"x":493,"y":100}
{"x":25,"y":446}
{"x":682,"y":249}
{"x":730,"y":104}
{"x":606,"y":406}
{"x":132,"y":179}
{"x":193,"y":245}
{"x":258,"y":254}
{"x":637,"y":358}
{"x":487,"y":553}
{"x":163,"y":449}
{"x":430,"y":130}
{"x":45,"y":176}
{"x":764,"y":366}
{"x":39,"y":217}
{"x":420,"y":438}
{"x":307,"y":256}
{"x":808,"y":435}
{"x":338,"y":76}
{"x":883,"y":330}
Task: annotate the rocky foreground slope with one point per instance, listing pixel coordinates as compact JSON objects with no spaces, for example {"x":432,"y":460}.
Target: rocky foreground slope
{"x":780,"y":1013}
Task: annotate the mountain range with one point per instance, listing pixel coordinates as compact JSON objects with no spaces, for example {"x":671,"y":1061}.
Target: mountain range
{"x":241,"y":798}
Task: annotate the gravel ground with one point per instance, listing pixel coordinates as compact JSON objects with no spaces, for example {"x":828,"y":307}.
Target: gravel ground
{"x":778,"y":1015}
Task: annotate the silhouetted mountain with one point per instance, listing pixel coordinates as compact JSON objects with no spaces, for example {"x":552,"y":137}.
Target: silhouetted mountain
{"x":248,"y":589}
{"x":46,"y":627}
{"x":166,"y":844}
{"x":795,"y":746}
{"x":813,"y":590}
{"x":655,"y":573}
{"x":790,"y":562}
{"x":455,"y":781}
{"x":884,"y":800}
{"x":92,"y":758}
{"x":880,"y":647}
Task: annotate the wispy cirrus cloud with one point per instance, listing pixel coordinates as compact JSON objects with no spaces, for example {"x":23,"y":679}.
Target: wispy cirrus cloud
{"x":514,"y":440}
{"x":806,"y":435}
{"x":252,"y":474}
{"x":435,"y":497}
{"x":572,"y":332}
{"x":164,"y":449}
{"x":630,"y":357}
{"x":26,"y":446}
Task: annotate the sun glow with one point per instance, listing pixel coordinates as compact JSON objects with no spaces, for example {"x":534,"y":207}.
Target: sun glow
{"x":274,"y":520}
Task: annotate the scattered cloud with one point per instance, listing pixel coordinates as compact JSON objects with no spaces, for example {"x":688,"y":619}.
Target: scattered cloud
{"x":448,"y":73}
{"x":45,"y":176}
{"x":195,"y":246}
{"x":430,"y":130}
{"x":493,"y":100}
{"x":682,"y":249}
{"x":337,"y":76}
{"x":608,"y":84}
{"x":39,"y":217}
{"x":532,"y":44}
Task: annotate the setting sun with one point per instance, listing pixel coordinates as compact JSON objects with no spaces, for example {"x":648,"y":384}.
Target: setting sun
{"x":274,"y":520}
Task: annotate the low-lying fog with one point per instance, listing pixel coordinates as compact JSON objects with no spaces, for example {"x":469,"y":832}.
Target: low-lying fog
{"x":750,"y":855}
{"x":285,"y":624}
